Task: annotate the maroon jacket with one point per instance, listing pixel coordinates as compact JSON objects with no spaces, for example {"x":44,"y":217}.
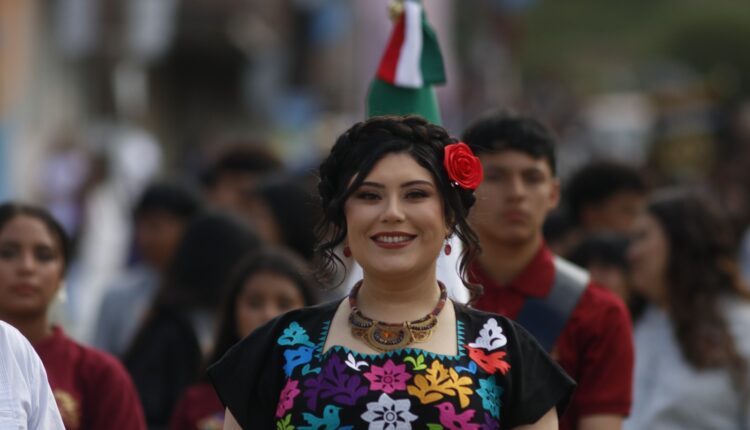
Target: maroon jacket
{"x":92,"y":389}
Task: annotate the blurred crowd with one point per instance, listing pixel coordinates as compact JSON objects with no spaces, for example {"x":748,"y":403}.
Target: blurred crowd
{"x":184,"y":176}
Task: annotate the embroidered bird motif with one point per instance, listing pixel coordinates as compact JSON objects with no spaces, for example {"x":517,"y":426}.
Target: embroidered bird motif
{"x":296,"y":357}
{"x":329,"y":421}
{"x":489,"y":362}
{"x":451,"y":421}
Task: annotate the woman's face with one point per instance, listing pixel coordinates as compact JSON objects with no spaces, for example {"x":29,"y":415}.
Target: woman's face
{"x":649,"y":255}
{"x":395,"y":220}
{"x":265,"y":296}
{"x":31,"y":267}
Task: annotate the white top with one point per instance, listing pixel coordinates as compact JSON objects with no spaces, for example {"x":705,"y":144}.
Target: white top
{"x":669,"y":393}
{"x":26,"y":400}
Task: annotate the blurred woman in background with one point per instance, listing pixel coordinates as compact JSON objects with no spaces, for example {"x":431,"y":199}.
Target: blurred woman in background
{"x":284,"y":213}
{"x":693,"y":339}
{"x":91,"y":388}
{"x":264,"y":286}
{"x":169,"y":348}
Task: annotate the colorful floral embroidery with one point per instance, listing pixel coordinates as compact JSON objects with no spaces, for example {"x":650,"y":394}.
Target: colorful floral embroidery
{"x":388,"y":378}
{"x":440,"y":382}
{"x":297,"y":357}
{"x":491,"y":336}
{"x":490,"y":423}
{"x":489,"y":363}
{"x":286,"y":398}
{"x":417,"y":363}
{"x":394,"y":390}
{"x":490,"y":393}
{"x":334,"y":383}
{"x":285,"y":423}
{"x":295,"y":335}
{"x":389,"y":414}
{"x":329,"y":421}
{"x":454,"y":421}
{"x":471,"y":368}
{"x":354,"y":364}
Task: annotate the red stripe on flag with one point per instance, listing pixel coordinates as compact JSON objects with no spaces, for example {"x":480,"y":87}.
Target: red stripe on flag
{"x":387,"y":69}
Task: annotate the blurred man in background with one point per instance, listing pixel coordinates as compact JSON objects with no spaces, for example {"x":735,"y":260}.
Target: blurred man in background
{"x":585,"y":327}
{"x":160,"y":216}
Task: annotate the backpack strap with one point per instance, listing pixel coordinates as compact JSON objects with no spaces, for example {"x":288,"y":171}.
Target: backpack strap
{"x":546,"y":317}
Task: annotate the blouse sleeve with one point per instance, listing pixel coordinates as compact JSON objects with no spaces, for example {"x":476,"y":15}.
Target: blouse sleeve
{"x":537,"y":383}
{"x":246,"y":379}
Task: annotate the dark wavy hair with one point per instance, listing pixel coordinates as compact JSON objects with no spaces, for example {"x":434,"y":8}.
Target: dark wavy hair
{"x":701,"y":269}
{"x":354,"y":155}
{"x":505,"y":130}
{"x":210,"y":248}
{"x":11,"y":210}
{"x":278,"y":261}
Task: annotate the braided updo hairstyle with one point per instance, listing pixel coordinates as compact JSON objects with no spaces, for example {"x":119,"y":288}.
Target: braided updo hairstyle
{"x":354,"y":155}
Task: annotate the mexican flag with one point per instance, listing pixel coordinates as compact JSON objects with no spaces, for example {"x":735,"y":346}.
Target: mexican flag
{"x":411,"y":65}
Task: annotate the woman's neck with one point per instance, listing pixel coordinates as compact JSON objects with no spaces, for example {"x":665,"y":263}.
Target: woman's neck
{"x":405,"y":299}
{"x":35,"y":329}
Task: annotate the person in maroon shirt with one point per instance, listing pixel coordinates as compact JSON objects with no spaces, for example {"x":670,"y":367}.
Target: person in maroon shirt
{"x":91,"y":388}
{"x":594,"y":342}
{"x":265,"y":285}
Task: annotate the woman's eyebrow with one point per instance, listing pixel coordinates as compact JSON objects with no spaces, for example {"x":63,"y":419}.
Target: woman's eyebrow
{"x":372,"y":184}
{"x":404,"y":185}
{"x":417,"y":182}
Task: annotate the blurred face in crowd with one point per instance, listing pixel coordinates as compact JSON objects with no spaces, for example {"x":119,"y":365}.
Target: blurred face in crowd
{"x":261,"y":217}
{"x":649,"y":255}
{"x":31,"y":268}
{"x":157,"y":234}
{"x":616,"y":214}
{"x":230,"y":189}
{"x":514,"y":198}
{"x":264,"y":296}
{"x":395,"y":220}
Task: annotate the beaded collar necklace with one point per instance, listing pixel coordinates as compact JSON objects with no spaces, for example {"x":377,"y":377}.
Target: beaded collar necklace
{"x":383,"y":336}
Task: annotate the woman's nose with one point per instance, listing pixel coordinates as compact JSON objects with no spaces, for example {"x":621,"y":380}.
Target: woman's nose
{"x":393,"y":210}
{"x":27,"y":262}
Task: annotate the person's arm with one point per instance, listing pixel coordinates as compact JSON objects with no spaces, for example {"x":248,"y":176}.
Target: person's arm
{"x":605,"y":379}
{"x":600,"y":422}
{"x":41,"y":410}
{"x":112,"y":398}
{"x":547,"y":422}
{"x":229,"y":422}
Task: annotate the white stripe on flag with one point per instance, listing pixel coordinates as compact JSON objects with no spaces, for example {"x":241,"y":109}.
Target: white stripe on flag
{"x":408,"y":69}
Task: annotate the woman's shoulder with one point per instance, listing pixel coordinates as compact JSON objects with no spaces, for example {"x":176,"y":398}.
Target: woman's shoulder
{"x":302,"y":324}
{"x":475,"y":319}
{"x":308,"y":317}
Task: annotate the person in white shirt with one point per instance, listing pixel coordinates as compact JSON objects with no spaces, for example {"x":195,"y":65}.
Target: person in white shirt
{"x":26,"y":400}
{"x":692,"y":341}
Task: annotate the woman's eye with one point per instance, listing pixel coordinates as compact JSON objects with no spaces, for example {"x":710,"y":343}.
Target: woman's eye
{"x":285,"y":304}
{"x":7,"y":253}
{"x":45,"y":254}
{"x":533,"y":178}
{"x":364,"y":195}
{"x":255,"y":304}
{"x":417,"y":194}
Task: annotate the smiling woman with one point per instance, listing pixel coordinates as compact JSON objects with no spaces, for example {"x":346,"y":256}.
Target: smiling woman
{"x":91,"y":388}
{"x":397,"y":354}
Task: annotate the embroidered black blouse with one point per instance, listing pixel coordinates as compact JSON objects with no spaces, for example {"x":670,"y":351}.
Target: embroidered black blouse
{"x":279,"y":377}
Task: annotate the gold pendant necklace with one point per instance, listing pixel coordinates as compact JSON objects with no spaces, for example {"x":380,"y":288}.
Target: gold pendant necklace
{"x":382,"y":336}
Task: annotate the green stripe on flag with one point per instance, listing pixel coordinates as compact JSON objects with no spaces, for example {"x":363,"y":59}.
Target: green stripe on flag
{"x":431,"y":62}
{"x":387,"y":99}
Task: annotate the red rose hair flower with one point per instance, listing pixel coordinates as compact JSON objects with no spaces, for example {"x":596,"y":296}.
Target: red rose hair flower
{"x":463,"y":167}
